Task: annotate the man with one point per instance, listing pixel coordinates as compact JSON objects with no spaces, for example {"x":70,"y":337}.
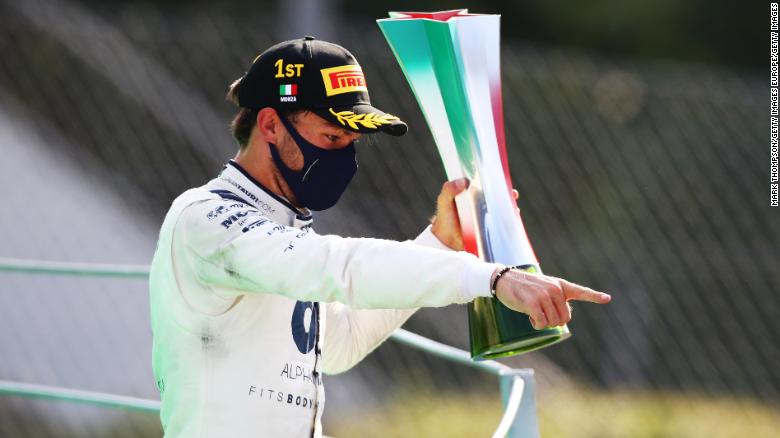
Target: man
{"x":250,"y":305}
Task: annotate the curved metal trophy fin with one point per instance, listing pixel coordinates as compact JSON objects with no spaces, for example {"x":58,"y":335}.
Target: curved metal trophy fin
{"x":451,"y":60}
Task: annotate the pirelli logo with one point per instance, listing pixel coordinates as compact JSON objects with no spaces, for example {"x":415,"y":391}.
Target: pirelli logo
{"x":343,"y":79}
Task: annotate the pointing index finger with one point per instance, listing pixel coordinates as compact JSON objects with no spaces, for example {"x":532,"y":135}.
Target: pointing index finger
{"x":574,"y":291}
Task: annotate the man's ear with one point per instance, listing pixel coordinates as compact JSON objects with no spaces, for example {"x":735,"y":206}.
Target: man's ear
{"x":269,"y":127}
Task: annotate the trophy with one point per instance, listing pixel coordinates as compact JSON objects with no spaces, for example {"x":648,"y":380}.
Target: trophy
{"x":451,"y":60}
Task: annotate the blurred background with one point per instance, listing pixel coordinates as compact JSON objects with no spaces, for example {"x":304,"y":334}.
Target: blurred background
{"x":636,"y":133}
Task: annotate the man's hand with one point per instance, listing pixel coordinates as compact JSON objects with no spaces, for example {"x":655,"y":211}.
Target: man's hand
{"x":446,"y":225}
{"x":543,"y":298}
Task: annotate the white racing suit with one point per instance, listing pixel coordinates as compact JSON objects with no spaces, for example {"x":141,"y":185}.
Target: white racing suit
{"x":249,"y":306}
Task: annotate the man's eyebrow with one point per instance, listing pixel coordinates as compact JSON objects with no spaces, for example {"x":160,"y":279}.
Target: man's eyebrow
{"x":341,"y":131}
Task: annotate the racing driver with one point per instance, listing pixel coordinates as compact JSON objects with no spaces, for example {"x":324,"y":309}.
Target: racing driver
{"x":250,"y":306}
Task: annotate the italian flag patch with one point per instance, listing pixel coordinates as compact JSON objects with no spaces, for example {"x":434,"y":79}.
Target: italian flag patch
{"x":288,"y":90}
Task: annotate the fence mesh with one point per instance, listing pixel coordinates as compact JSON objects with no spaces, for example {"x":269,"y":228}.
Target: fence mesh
{"x":644,"y":179}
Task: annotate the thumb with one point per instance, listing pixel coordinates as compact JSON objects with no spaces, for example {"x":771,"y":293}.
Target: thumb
{"x":574,"y":291}
{"x":451,"y":189}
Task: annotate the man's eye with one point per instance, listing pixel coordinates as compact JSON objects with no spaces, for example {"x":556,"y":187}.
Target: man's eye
{"x":332,"y":138}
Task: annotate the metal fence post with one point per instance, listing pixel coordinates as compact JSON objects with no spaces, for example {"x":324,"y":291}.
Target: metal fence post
{"x":525,"y":424}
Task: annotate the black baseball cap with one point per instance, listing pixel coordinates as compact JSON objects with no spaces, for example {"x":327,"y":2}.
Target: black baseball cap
{"x":318,"y":76}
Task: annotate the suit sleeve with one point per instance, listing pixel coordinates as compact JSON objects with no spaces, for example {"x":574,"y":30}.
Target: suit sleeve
{"x":234,"y":248}
{"x":351,"y":334}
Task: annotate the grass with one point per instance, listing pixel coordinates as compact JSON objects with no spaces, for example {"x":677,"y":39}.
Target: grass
{"x":570,"y":413}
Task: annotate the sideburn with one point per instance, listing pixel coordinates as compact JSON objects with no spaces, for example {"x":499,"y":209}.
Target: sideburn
{"x":290,"y":153}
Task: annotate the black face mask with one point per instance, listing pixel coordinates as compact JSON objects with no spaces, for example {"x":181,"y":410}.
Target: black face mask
{"x":325,"y":174}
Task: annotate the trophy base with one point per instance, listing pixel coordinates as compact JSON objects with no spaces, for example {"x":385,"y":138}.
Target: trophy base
{"x":497,"y":331}
{"x":540,"y":339}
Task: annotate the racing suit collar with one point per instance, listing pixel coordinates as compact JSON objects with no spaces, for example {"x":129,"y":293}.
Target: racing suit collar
{"x":247,"y":187}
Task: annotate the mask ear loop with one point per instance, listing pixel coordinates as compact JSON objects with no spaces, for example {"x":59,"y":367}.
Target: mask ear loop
{"x":293,"y":132}
{"x":297,"y":138}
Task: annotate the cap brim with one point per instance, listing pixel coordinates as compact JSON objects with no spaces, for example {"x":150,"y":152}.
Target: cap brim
{"x":363,"y":118}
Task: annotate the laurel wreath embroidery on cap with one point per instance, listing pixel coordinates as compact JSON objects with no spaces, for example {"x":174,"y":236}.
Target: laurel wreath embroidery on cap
{"x":368,"y":120}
